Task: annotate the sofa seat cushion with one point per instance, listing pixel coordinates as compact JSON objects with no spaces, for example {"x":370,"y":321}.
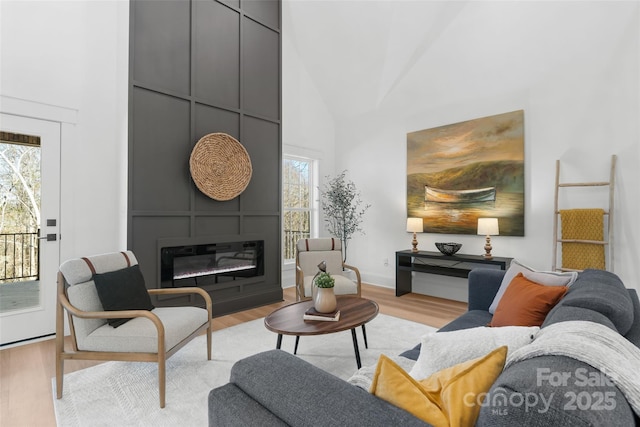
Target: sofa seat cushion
{"x":140,"y":334}
{"x":470,"y":319}
{"x":343,"y":285}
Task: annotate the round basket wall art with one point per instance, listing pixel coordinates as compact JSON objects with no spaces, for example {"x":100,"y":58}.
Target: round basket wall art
{"x":220,"y":166}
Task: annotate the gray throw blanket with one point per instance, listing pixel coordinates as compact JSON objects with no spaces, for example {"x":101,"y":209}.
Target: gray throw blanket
{"x":595,"y":345}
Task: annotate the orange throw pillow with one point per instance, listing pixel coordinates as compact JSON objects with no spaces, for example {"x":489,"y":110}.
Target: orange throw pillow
{"x":526,"y":303}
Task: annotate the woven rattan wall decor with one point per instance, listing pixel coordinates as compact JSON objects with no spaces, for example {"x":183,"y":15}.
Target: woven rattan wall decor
{"x":220,"y":166}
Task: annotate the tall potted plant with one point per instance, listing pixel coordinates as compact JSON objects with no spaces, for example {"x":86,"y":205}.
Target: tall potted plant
{"x":343,"y":209}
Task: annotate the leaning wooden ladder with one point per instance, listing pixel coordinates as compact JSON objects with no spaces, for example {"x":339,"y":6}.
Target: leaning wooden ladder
{"x":608,"y":239}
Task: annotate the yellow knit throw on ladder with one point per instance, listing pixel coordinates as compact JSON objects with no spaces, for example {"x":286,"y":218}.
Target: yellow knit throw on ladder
{"x":583,"y":224}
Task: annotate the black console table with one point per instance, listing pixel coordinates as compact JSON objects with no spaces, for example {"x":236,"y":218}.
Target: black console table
{"x":457,"y":265}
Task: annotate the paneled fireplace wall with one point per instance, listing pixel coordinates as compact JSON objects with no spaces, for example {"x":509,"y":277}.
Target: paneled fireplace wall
{"x":197,"y":67}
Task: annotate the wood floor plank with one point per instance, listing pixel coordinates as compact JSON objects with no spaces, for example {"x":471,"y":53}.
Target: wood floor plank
{"x":26,"y":396}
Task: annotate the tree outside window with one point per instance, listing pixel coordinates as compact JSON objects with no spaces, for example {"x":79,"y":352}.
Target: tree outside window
{"x":19,"y":206}
{"x":298,"y":204}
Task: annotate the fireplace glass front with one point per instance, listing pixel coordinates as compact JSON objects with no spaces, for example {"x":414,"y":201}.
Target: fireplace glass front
{"x":206,"y":264}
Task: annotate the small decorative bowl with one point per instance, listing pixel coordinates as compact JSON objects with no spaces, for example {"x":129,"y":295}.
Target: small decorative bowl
{"x":448,"y":248}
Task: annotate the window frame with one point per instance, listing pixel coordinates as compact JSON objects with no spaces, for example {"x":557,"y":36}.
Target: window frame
{"x":313,"y":208}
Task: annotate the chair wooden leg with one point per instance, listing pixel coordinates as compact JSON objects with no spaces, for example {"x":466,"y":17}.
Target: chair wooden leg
{"x":59,"y":338}
{"x":162,"y":377}
{"x":59,"y":374}
{"x":209,"y":342}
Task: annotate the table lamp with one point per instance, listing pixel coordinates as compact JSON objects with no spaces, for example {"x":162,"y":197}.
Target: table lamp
{"x":415,"y":225}
{"x":488,"y":227}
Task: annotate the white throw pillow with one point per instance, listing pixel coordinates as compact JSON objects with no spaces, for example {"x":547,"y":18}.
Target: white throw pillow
{"x":440,"y":350}
{"x":547,"y":278}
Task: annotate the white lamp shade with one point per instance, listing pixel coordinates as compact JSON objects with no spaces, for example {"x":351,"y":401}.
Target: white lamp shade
{"x":488,"y":226}
{"x":415,"y":225}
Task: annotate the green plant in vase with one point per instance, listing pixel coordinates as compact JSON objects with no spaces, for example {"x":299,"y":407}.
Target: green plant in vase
{"x":324,"y":299}
{"x":324,"y":280}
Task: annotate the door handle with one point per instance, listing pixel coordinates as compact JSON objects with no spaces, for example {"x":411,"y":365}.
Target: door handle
{"x":51,"y":237}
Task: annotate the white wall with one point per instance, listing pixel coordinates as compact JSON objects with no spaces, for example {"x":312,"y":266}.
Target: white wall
{"x":308,"y":127}
{"x":74,"y":54}
{"x":577,"y":79}
{"x":573,"y":67}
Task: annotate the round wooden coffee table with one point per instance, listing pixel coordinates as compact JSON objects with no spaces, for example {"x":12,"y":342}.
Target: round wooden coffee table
{"x":354,"y":312}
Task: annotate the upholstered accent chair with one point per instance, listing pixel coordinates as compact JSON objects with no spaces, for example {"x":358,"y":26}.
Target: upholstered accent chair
{"x":310,"y":253}
{"x":149,"y":334}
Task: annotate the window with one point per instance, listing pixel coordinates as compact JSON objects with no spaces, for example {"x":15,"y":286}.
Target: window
{"x":299,"y":207}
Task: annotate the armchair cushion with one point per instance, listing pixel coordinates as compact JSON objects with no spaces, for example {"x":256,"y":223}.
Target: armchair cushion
{"x":84,"y":296}
{"x":122,"y":290}
{"x":311,"y":252}
{"x":343,"y":285}
{"x":140,"y":335}
{"x":82,"y":291}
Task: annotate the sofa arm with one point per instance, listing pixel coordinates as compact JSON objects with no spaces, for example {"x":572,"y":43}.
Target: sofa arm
{"x":228,"y":405}
{"x":483,"y":286}
{"x":550,"y":391}
{"x":301,"y":394}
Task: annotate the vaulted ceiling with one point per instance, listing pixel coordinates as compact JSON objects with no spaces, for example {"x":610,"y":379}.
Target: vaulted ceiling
{"x":364,"y":54}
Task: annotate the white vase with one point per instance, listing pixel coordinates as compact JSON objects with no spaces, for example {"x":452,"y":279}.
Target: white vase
{"x":324,"y":300}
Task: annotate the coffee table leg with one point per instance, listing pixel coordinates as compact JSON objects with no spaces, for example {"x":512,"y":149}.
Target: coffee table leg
{"x":295,"y":349}
{"x":364,"y":333}
{"x":355,"y":347}
{"x":279,"y":342}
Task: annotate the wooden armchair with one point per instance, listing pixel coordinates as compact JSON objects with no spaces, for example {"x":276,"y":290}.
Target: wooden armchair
{"x":310,"y":253}
{"x":151,"y":334}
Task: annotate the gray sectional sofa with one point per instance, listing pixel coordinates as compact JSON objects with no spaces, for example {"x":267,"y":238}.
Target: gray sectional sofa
{"x":275,"y":388}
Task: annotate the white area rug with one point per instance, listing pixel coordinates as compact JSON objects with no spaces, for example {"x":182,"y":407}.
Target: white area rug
{"x":126,"y":393}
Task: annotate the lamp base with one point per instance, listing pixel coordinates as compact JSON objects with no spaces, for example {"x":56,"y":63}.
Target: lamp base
{"x":487,"y":248}
{"x":414,"y":243}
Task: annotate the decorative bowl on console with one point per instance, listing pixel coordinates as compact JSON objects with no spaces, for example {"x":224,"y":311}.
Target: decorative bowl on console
{"x":449,"y":248}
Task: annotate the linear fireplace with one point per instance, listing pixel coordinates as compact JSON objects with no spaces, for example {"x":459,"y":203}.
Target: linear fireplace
{"x":211,"y":263}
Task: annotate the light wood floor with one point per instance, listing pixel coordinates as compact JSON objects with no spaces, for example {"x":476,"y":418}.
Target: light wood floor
{"x":26,"y":397}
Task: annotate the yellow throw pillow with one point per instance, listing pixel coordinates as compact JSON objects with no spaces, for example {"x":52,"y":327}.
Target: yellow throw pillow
{"x":450,"y":397}
{"x":395,"y":385}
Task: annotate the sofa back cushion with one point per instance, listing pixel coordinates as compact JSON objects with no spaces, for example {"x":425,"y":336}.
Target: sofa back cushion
{"x":547,"y":278}
{"x":599,"y":296}
{"x":633,"y":334}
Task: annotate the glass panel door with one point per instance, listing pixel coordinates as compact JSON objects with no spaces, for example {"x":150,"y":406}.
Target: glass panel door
{"x":29,"y":215}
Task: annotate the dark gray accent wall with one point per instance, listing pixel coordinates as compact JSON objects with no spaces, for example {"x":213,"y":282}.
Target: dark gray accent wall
{"x":197,"y":67}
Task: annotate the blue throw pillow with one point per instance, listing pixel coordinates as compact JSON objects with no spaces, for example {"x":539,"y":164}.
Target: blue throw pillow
{"x":122,"y":290}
